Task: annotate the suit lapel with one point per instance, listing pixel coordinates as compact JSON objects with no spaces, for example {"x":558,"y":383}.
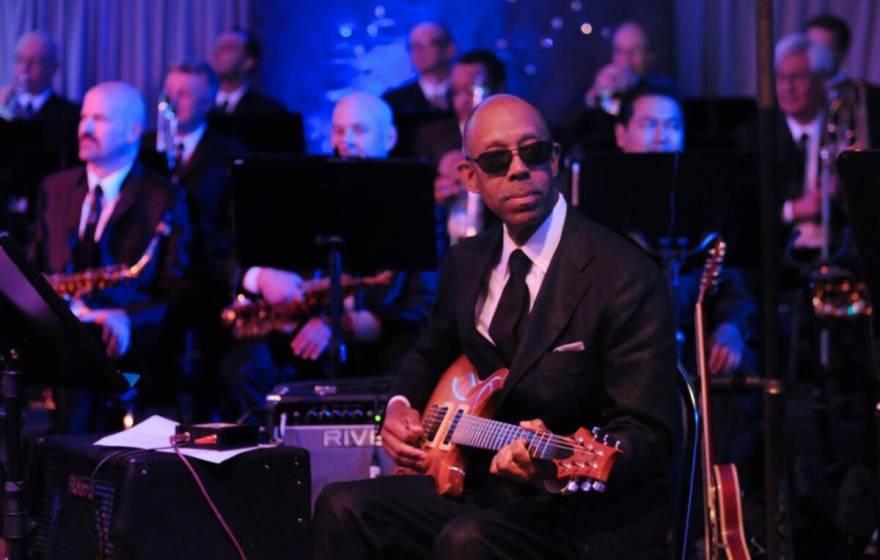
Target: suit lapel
{"x":128,"y":195}
{"x":72,"y":217}
{"x":564,"y":286}
{"x":197,"y":160}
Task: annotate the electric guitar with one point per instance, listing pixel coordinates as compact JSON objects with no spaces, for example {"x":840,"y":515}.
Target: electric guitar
{"x":459,"y":413}
{"x":722,"y":517}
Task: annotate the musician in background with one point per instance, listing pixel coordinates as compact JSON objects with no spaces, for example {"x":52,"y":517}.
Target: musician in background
{"x":835,"y":34}
{"x":199,"y":163}
{"x":476,"y":75}
{"x":802,"y":68}
{"x":30,"y":95}
{"x":105,"y":214}
{"x":431,"y":49}
{"x":235,"y":58}
{"x":651,"y":120}
{"x":379,"y":323}
{"x":582,"y":319}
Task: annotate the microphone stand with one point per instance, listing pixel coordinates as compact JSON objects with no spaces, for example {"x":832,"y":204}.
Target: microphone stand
{"x":337,"y":354}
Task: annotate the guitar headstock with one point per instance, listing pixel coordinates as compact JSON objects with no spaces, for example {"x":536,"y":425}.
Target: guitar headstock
{"x":590,"y":462}
{"x":712,"y":268}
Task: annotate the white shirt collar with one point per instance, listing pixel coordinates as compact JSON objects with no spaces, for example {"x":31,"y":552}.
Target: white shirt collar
{"x":36,"y":100}
{"x":231,"y":98}
{"x":112,"y":183}
{"x":542,"y":245}
{"x":434,"y":91}
{"x":190,"y":141}
{"x":812,"y":129}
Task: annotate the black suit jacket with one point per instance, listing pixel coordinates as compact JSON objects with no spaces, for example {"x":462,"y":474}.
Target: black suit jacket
{"x":602,"y":291}
{"x":205,"y":179}
{"x":409,"y":98}
{"x":255,"y":104}
{"x":143,"y":202}
{"x":59,"y":119}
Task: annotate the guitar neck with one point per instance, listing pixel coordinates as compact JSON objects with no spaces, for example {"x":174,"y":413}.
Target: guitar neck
{"x":483,"y":433}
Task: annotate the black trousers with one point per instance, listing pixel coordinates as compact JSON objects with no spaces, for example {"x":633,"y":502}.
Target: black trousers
{"x":402,"y":517}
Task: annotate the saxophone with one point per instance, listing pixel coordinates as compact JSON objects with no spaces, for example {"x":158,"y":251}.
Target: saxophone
{"x":253,"y":319}
{"x":78,"y":284}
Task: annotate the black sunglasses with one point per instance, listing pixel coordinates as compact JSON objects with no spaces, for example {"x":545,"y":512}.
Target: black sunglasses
{"x":497,"y":162}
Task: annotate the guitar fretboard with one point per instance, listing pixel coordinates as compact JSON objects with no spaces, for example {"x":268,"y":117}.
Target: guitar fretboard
{"x":484,"y":433}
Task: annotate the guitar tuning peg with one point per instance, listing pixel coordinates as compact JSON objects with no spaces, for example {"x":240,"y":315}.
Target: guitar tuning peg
{"x":616,"y":445}
{"x":605,"y":439}
{"x":587,"y":486}
{"x":598,"y":486}
{"x":595,"y":431}
{"x":571,"y":487}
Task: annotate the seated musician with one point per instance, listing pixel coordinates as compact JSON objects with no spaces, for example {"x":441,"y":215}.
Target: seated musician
{"x":104,"y":214}
{"x":583,"y":321}
{"x":379,"y":323}
{"x":651,"y":120}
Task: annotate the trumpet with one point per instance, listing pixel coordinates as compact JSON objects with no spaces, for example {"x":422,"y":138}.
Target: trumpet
{"x":253,"y":319}
{"x":79,"y":284}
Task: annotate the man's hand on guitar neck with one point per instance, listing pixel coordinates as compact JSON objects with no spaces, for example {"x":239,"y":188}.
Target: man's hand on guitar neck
{"x":401,"y":434}
{"x":514,"y":462}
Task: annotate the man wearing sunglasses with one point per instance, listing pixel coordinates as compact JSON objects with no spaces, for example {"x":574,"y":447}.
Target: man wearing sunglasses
{"x":582,"y":321}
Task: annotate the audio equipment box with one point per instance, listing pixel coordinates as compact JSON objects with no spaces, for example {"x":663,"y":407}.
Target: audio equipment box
{"x":121,"y":504}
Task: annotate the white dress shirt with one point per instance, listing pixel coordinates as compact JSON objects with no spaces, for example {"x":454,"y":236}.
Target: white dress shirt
{"x":810,"y":233}
{"x":231,"y":98}
{"x":110,"y":186}
{"x":437,"y":93}
{"x":36,"y":101}
{"x":540,"y":249}
{"x":190,"y":142}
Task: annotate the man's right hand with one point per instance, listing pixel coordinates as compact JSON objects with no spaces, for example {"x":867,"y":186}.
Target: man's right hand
{"x":277,"y":286}
{"x":807,"y":207}
{"x":401,"y":433}
{"x":610,"y":78}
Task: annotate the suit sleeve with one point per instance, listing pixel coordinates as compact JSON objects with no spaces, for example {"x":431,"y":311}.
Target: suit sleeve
{"x":437,"y":346}
{"x":639,"y":355}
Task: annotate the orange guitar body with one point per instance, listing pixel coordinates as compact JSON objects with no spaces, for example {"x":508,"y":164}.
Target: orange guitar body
{"x":460,"y":387}
{"x":729,"y":506}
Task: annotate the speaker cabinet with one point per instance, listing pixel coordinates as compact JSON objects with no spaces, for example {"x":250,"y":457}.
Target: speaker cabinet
{"x":340,"y":452}
{"x":148,"y":505}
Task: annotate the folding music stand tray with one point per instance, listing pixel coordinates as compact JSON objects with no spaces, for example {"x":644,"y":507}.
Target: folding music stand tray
{"x":41,"y":343}
{"x":676,"y":196}
{"x":278,"y":134}
{"x":373,"y":214}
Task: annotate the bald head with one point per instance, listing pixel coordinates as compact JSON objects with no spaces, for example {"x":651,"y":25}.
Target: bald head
{"x":363,"y":126}
{"x":501,"y":107}
{"x":630,"y":48}
{"x":111,"y":123}
{"x":35,"y":61}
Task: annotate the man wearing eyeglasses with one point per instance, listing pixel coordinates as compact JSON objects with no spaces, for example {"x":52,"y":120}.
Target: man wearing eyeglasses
{"x":431,"y":50}
{"x":582,"y":321}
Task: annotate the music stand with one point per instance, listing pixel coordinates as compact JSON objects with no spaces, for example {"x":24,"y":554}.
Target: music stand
{"x":676,"y":196}
{"x":41,"y":342}
{"x":716,"y":123}
{"x":275,"y":134}
{"x":373,"y":214}
{"x":860,"y":174}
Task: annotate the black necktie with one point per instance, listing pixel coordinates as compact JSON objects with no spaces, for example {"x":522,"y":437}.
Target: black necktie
{"x":87,"y":253}
{"x":511,"y":315}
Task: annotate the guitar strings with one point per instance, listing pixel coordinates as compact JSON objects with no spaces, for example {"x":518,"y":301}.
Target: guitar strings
{"x":436,"y":415}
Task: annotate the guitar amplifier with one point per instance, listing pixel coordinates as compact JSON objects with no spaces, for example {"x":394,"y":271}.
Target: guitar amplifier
{"x":338,"y":423}
{"x":147,"y":505}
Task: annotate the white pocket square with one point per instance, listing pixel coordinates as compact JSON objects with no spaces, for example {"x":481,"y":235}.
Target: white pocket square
{"x":570,"y":347}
